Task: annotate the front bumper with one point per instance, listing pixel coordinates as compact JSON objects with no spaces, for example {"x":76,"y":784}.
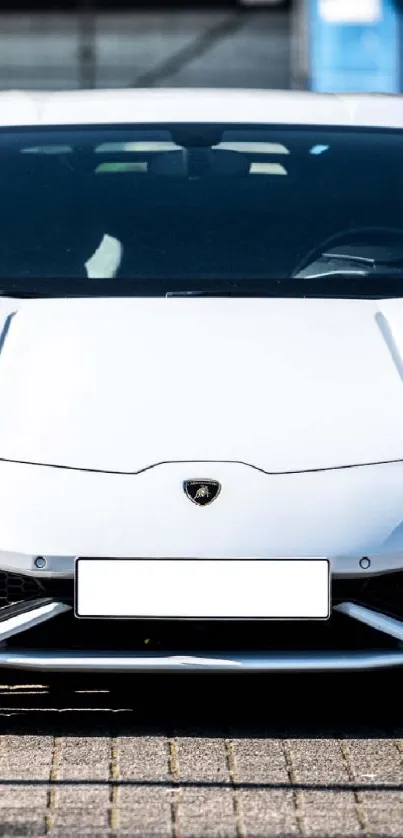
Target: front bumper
{"x":356,"y":637}
{"x":346,"y":516}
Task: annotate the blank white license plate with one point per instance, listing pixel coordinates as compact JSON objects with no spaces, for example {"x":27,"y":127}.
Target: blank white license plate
{"x":203,"y":588}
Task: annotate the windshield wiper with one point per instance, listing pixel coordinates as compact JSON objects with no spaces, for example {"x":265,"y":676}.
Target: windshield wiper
{"x":22,"y":294}
{"x":339,"y":284}
{"x":353,"y":273}
{"x":352,"y":284}
{"x":227,"y":292}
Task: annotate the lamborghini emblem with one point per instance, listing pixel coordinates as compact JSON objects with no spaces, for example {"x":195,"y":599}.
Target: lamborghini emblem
{"x":201,"y":492}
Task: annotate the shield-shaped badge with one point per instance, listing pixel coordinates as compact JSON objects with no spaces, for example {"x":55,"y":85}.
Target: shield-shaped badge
{"x":201,"y":492}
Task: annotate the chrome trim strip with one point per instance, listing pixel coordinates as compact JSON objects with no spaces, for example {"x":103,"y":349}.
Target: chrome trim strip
{"x":374,"y":619}
{"x":67,"y":661}
{"x":26,"y":615}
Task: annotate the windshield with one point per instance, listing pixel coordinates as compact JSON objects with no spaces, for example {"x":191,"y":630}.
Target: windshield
{"x":161,"y":209}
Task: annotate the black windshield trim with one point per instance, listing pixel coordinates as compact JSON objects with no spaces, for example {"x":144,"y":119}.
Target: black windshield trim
{"x":321,"y":286}
{"x":93,"y":128}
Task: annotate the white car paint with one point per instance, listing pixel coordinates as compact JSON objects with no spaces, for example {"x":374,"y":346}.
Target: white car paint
{"x":198,"y":105}
{"x":283,"y":385}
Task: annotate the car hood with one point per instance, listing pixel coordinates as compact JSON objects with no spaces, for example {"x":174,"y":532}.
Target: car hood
{"x":120,"y":385}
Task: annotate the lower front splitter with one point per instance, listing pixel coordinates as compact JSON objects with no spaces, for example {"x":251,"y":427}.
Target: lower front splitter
{"x":312,"y":661}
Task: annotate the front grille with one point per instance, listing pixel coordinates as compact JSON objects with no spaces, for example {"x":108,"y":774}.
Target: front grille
{"x":14,"y":587}
{"x":381,"y":593}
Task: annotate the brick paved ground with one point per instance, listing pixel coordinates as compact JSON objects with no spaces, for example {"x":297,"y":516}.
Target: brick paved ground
{"x":245,"y":758}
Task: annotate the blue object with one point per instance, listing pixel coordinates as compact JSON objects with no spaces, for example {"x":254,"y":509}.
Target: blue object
{"x":353,"y":55}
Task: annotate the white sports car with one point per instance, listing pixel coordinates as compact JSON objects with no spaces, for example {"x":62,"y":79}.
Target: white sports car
{"x":201,"y":364}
